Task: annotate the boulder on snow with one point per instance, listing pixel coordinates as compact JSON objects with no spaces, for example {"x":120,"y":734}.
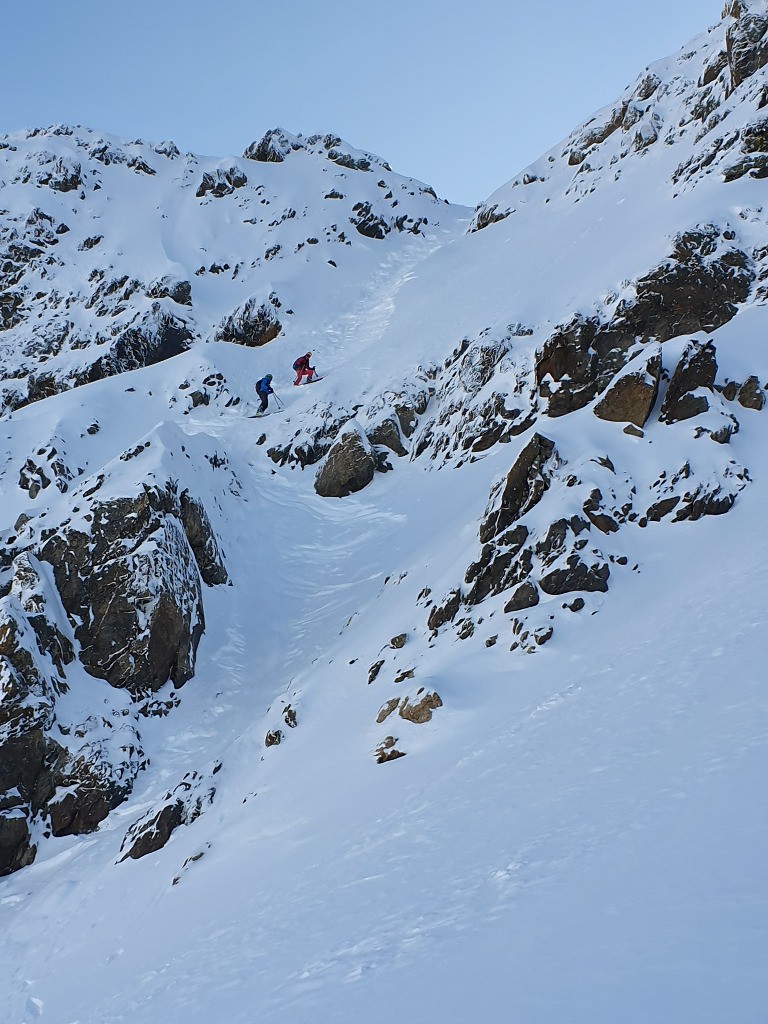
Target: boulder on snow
{"x":349,"y":465}
{"x":387,"y":750}
{"x":576,"y":576}
{"x":183,"y":805}
{"x":525,"y":596}
{"x":523,"y":487}
{"x":420,"y":711}
{"x":751,"y":395}
{"x":695,"y":370}
{"x":632,"y":394}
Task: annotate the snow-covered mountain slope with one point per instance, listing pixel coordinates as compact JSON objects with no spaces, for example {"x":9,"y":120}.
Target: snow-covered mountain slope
{"x":440,"y":690}
{"x":115,"y":254}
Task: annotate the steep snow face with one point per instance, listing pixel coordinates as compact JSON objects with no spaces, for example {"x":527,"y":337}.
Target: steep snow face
{"x":115,"y":255}
{"x":495,"y":717}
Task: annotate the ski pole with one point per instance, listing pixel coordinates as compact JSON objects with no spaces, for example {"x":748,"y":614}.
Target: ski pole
{"x":278,"y":400}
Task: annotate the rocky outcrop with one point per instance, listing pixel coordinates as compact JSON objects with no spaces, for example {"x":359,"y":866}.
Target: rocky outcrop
{"x":222,"y":183}
{"x":387,"y":434}
{"x":420,"y":709}
{"x":349,"y":465}
{"x":576,"y":576}
{"x":697,"y":289}
{"x":631,"y":396}
{"x":523,"y":487}
{"x":132,"y":586}
{"x":695,"y":372}
{"x":387,"y":750}
{"x":127,"y":580}
{"x":253,"y":324}
{"x":445,"y":612}
{"x":181,"y":806}
{"x":746,"y":40}
{"x":33,"y":656}
{"x":274,"y":147}
{"x":570,"y":368}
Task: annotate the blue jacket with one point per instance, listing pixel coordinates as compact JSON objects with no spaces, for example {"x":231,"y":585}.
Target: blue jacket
{"x":264,"y":386}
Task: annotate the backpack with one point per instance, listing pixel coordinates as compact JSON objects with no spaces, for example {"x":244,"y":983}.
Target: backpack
{"x":299,"y":363}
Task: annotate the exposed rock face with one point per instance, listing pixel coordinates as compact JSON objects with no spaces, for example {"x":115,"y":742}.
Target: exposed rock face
{"x":132,"y":584}
{"x":746,"y":40}
{"x":502,"y":563}
{"x":576,"y":576}
{"x":349,"y":465}
{"x":443,"y":613}
{"x":93,"y":781}
{"x":751,"y":395}
{"x":254,"y":324}
{"x":273,"y":148}
{"x":127,"y":586}
{"x":420,"y":710}
{"x":387,"y":750}
{"x":695,"y":371}
{"x":181,"y":806}
{"x":525,"y":483}
{"x":222,"y":183}
{"x":570,"y":368}
{"x":33,"y":656}
{"x":387,"y":433}
{"x":632,"y":395}
{"x":698,"y":289}
{"x":202,"y":540}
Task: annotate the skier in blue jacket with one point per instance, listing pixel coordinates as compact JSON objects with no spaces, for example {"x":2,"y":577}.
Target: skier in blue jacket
{"x":264,"y":390}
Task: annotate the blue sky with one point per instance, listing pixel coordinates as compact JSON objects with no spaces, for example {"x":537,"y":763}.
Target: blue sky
{"x":461,"y":96}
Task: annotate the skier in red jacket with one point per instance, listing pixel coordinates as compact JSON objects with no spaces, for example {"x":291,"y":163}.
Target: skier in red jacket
{"x":302,"y":368}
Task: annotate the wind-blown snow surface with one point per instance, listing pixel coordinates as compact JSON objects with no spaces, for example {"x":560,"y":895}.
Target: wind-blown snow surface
{"x":577,"y":835}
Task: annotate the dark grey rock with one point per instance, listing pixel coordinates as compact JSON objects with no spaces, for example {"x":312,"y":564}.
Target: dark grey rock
{"x":525,"y":596}
{"x":577,"y":576}
{"x":696,"y":370}
{"x":751,"y":395}
{"x":349,"y":466}
{"x":524,"y":486}
{"x":632,"y":396}
{"x":387,"y":433}
{"x":253,"y":324}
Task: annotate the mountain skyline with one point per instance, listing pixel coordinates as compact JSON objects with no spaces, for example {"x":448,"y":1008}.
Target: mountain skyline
{"x":494,"y":80}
